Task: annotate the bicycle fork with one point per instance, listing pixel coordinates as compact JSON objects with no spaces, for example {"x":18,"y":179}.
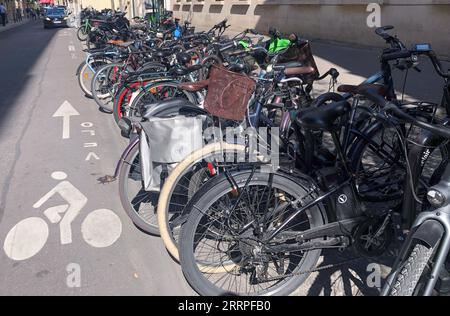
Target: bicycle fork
{"x":433,"y":229}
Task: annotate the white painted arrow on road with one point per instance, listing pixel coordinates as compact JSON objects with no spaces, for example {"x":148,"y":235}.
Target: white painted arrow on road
{"x":91,"y":155}
{"x":66,"y":110}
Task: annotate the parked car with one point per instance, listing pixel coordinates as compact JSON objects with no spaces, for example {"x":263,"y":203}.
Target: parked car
{"x":55,"y":17}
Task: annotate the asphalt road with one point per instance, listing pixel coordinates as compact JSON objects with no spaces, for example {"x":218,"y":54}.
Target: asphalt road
{"x":44,"y":255}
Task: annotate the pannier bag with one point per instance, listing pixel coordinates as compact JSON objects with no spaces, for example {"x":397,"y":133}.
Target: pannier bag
{"x":164,"y":142}
{"x":228,"y":93}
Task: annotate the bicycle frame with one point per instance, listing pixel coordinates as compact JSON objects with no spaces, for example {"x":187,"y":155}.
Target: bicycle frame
{"x":87,"y":26}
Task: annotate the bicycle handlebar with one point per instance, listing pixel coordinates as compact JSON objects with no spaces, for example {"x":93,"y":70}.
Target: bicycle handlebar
{"x":405,"y":53}
{"x":373,"y":96}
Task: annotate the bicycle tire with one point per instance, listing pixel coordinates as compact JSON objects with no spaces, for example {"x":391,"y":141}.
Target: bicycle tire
{"x":412,"y":269}
{"x":147,"y":91}
{"x":109,"y":94}
{"x":86,"y":88}
{"x":169,"y":186}
{"x":194,"y":273}
{"x":123,"y":194}
{"x":81,"y":34}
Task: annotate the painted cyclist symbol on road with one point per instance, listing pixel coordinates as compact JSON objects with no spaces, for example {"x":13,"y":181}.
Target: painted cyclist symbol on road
{"x":101,"y":228}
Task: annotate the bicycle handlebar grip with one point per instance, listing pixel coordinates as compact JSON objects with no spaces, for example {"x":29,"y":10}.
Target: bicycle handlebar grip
{"x":396,"y":55}
{"x":383,"y":29}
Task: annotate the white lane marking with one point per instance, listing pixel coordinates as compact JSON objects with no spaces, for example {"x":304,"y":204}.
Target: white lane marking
{"x":101,"y":228}
{"x":71,"y":48}
{"x":59,"y":175}
{"x":87,"y":124}
{"x":92,"y":155}
{"x":73,"y":56}
{"x":76,"y":201}
{"x":87,"y":145}
{"x":66,"y":110}
{"x":90,"y":131}
{"x":26,"y":238}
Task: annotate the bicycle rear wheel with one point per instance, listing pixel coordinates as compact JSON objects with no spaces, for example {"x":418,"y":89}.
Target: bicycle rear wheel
{"x":82,"y":34}
{"x":86,"y":74}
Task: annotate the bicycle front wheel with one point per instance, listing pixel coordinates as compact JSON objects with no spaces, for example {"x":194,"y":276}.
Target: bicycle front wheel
{"x":183,"y":182}
{"x":82,"y":34}
{"x":232,"y":225}
{"x":412,"y":272}
{"x":139,"y":204}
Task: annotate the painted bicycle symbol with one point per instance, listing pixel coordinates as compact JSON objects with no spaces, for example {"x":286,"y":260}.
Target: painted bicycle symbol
{"x":101,"y":228}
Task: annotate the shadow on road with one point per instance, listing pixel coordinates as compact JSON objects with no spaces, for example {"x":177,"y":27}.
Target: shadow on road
{"x":20,"y":49}
{"x":350,"y":279}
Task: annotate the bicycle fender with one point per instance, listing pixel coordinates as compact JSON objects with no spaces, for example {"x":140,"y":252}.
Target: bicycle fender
{"x":430,"y":232}
{"x":163,"y":110}
{"x":134,"y":141}
{"x":79,"y":68}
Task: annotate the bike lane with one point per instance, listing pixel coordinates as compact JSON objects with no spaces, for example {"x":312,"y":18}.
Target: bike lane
{"x":62,"y":231}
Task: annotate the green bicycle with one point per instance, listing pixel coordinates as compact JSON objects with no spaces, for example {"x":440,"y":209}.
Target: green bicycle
{"x":84,"y":30}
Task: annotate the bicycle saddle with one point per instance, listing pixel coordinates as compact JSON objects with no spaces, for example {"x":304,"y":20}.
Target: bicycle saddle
{"x":294,"y":68}
{"x":97,"y":50}
{"x":163,"y":53}
{"x":323,"y":117}
{"x":193,"y":86}
{"x":305,"y":70}
{"x":238,"y":67}
{"x":290,"y":64}
{"x":183,"y":58}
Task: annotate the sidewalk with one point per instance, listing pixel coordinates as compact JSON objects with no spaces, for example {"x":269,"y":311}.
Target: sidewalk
{"x":12,"y":25}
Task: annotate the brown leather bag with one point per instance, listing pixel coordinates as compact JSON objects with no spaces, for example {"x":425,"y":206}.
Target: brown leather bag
{"x":228,"y":93}
{"x":301,"y":51}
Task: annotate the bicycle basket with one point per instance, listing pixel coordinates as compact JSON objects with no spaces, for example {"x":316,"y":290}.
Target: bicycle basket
{"x":228,"y":93}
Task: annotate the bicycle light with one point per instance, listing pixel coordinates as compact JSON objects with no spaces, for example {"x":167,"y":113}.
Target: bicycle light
{"x":435,"y":197}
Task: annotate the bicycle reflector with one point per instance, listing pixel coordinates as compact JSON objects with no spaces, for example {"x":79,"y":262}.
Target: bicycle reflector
{"x":435,"y":197}
{"x":211,"y":169}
